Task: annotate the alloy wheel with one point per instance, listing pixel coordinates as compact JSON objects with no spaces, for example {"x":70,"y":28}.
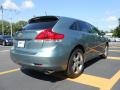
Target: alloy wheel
{"x":77,"y":62}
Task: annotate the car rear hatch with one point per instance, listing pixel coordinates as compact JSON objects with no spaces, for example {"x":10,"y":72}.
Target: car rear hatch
{"x":25,"y":40}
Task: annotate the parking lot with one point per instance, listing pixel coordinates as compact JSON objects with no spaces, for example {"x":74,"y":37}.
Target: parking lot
{"x":101,"y":74}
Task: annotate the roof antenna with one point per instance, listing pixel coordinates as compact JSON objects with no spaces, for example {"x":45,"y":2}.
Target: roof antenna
{"x":45,"y":13}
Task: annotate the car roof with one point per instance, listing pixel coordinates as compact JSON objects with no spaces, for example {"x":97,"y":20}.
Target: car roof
{"x":59,"y":17}
{"x":5,"y":35}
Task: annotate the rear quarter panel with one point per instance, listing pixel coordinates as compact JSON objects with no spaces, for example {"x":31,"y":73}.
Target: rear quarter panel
{"x":72,"y":38}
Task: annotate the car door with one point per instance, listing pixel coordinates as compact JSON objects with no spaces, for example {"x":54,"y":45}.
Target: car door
{"x":101,"y":42}
{"x":88,"y":39}
{"x":98,"y":41}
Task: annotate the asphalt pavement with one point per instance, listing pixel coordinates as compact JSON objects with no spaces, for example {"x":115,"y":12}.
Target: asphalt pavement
{"x":100,"y":74}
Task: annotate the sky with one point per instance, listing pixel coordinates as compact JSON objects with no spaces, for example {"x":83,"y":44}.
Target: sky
{"x":103,"y":14}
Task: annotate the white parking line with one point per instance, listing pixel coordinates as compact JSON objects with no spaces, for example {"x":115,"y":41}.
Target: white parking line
{"x":4,"y":50}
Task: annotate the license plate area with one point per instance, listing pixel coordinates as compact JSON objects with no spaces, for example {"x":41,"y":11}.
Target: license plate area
{"x":21,"y":44}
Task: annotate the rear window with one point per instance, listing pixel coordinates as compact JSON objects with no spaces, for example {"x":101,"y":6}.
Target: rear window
{"x":38,"y":23}
{"x":6,"y":36}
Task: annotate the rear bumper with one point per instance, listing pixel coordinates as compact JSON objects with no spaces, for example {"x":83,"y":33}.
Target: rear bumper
{"x":56,"y":61}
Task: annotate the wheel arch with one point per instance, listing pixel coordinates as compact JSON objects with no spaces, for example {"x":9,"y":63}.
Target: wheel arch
{"x":77,"y":46}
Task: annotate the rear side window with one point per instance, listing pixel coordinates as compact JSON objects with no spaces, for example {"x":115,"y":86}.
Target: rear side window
{"x":83,"y":26}
{"x":80,"y":26}
{"x":74,"y":26}
{"x":41,"y":23}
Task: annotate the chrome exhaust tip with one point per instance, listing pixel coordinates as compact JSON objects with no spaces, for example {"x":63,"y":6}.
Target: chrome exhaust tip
{"x":48,"y":72}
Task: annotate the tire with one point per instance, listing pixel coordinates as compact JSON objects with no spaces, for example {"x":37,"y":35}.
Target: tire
{"x":105,"y":54}
{"x":75,"y":64}
{"x":3,"y":43}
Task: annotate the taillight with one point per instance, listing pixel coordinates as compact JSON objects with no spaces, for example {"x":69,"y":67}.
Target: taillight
{"x":48,"y":34}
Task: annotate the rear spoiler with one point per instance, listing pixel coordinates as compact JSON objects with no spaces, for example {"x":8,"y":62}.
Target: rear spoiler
{"x":43,"y":19}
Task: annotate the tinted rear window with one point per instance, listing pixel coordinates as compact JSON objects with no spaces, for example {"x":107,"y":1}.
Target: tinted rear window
{"x":39,"y":25}
{"x":43,"y":22}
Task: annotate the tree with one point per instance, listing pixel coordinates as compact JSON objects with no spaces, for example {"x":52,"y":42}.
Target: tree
{"x":119,"y":22}
{"x":15,"y":26}
{"x":6,"y":25}
{"x":116,"y":32}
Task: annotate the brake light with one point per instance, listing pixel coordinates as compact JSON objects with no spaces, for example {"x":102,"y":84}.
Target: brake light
{"x":48,"y":34}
